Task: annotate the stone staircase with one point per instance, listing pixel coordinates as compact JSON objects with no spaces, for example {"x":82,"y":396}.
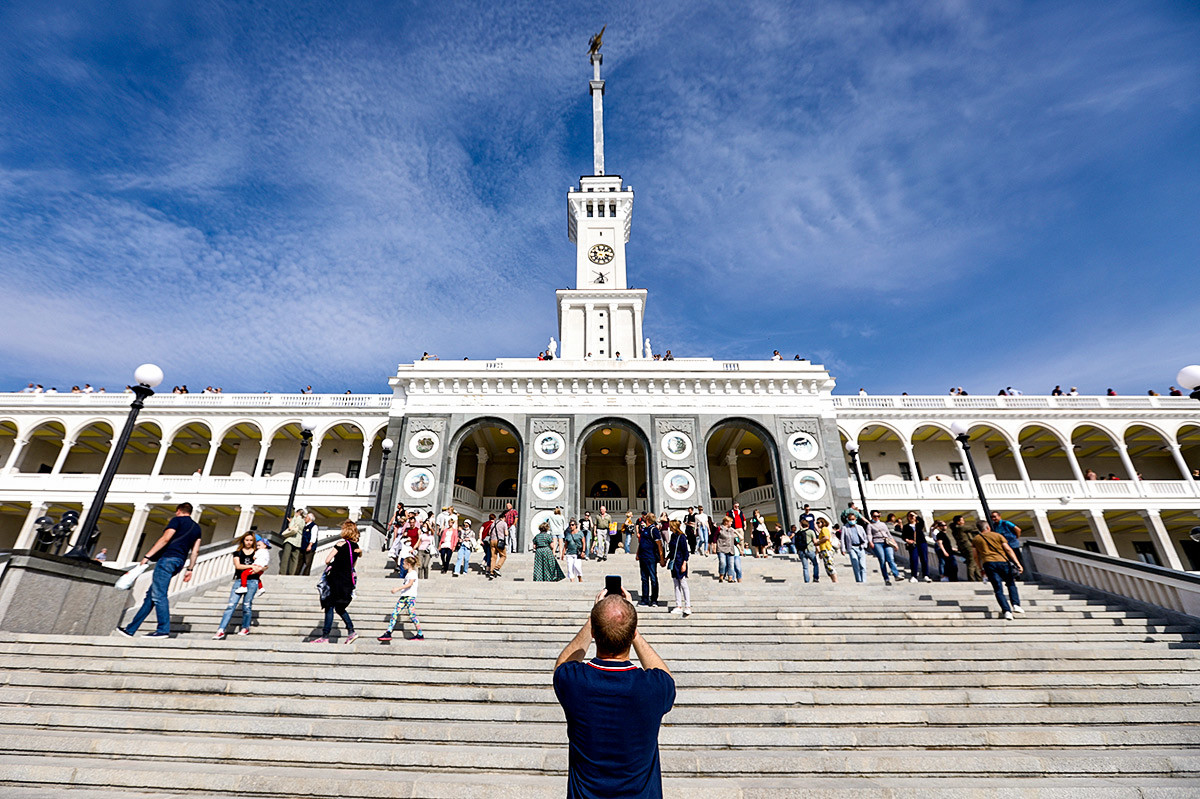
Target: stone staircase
{"x":785,"y":689}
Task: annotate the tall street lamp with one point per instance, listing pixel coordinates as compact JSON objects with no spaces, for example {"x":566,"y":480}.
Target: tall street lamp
{"x":306,"y":433}
{"x":852,"y":448}
{"x":145,"y":378}
{"x":962,"y":435}
{"x":387,"y":450}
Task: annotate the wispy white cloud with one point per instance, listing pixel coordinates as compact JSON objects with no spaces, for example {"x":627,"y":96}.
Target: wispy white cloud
{"x":308,"y":198}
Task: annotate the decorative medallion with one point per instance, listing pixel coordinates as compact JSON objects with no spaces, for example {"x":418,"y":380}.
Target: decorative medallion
{"x":679,"y":484}
{"x":424,"y":444}
{"x":536,"y":521}
{"x":549,"y":446}
{"x":802,"y":446}
{"x":418,"y":482}
{"x":809,"y":484}
{"x":676,"y":445}
{"x":547,"y":484}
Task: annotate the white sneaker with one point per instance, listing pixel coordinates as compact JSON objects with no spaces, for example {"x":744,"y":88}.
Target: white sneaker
{"x":928,"y":579}
{"x":912,"y":579}
{"x":687,"y":612}
{"x":241,"y":589}
{"x":1018,"y":609}
{"x":676,"y":610}
{"x":1007,"y":616}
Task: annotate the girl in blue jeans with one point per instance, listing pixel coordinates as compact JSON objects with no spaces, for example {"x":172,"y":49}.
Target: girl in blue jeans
{"x":243,"y":560}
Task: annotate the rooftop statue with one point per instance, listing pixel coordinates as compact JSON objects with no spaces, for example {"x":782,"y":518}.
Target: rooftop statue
{"x":596,"y":41}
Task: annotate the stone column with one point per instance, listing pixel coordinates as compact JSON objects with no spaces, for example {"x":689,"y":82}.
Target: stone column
{"x":245,"y":517}
{"x":481,"y":459}
{"x":1041,"y":521}
{"x":631,"y":477}
{"x":133,"y":534}
{"x":912,"y":465}
{"x":583,"y":456}
{"x":1123,"y":451}
{"x":25,"y":537}
{"x":213,"y":449}
{"x":731,"y":462}
{"x":263,"y":448}
{"x":1095,"y":520}
{"x":1016,"y":451}
{"x":1180,"y":463}
{"x":14,"y":457}
{"x":315,"y":449}
{"x":1069,"y":449}
{"x":62,"y":455}
{"x":163,"y":446}
{"x":1167,"y":554}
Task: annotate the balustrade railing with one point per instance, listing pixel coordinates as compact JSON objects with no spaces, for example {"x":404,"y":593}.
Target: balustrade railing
{"x":947,"y":402}
{"x":193,"y":484}
{"x":214,"y":564}
{"x":120,"y":398}
{"x":1175,"y":591}
{"x":1035,"y":489}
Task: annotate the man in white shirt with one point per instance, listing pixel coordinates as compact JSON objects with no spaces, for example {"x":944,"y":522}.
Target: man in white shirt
{"x":442,"y":520}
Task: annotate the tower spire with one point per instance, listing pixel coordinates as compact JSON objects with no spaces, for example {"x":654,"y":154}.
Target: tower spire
{"x":597,"y":89}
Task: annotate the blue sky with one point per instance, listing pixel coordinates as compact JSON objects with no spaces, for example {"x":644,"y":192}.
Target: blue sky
{"x":917,"y":194}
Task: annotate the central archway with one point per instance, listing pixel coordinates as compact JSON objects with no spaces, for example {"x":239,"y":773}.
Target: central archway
{"x":614,"y":470}
{"x":743,"y":466}
{"x":487,"y":469}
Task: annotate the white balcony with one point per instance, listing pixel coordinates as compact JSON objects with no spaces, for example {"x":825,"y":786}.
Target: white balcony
{"x":1035,"y":489}
{"x":206,"y":490}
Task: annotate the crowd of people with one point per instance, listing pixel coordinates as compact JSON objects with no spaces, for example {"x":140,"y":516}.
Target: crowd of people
{"x":989,"y":550}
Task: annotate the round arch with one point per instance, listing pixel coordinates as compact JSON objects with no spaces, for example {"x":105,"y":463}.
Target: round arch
{"x":638,"y":436}
{"x":1150,"y":453}
{"x":44,"y":442}
{"x":771,"y":448}
{"x":89,"y":453}
{"x":1095,"y":447}
{"x":1044,"y":450}
{"x":471,"y":499}
{"x":142,"y":449}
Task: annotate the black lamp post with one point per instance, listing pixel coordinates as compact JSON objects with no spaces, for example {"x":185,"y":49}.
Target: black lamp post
{"x":852,"y":449}
{"x":306,"y":434}
{"x":961,"y":434}
{"x":145,"y":378}
{"x":387,"y":450}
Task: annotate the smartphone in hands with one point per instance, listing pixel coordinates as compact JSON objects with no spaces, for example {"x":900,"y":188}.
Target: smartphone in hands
{"x":612,"y":585}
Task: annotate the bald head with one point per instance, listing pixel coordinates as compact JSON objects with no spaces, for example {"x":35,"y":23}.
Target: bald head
{"x":614,"y":624}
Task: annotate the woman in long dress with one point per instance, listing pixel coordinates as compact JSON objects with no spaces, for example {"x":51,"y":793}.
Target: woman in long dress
{"x":545,"y":564}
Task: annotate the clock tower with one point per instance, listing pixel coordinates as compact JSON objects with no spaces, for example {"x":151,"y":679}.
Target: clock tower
{"x":601,"y":316}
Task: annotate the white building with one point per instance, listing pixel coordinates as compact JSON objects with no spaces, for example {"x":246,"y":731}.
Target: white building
{"x":590,"y":428}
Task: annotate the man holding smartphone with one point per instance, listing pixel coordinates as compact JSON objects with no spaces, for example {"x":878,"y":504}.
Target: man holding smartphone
{"x":614,"y":709}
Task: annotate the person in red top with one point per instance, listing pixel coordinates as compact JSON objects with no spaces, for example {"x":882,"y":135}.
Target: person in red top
{"x":739,"y":520}
{"x":484,"y":536}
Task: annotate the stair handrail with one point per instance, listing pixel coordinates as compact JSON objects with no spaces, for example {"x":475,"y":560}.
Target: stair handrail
{"x":1129,"y":582}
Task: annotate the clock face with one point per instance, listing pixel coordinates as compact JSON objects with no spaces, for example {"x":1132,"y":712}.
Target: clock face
{"x":600,"y":254}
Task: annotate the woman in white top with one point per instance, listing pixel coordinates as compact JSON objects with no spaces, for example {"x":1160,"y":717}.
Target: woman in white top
{"x":407,"y":600}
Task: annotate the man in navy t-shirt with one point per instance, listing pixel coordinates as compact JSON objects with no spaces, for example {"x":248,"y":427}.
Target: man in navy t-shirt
{"x":179,"y":542}
{"x":613,"y":708}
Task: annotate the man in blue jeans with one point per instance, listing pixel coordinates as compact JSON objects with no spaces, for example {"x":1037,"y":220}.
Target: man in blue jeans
{"x":179,"y":542}
{"x":650,"y":556}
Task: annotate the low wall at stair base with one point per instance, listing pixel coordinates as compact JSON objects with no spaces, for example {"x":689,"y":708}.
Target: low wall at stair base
{"x":42,"y":593}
